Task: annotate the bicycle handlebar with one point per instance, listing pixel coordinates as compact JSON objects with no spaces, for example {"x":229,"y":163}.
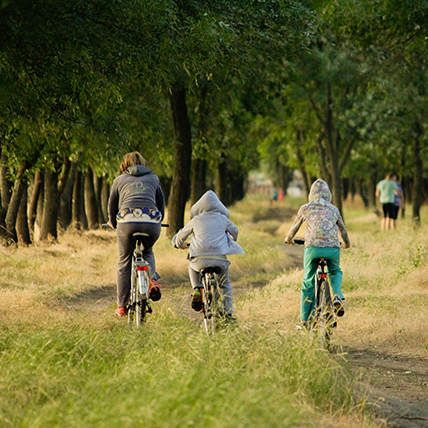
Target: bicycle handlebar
{"x":299,"y":241}
{"x":302,"y":242}
{"x":108,"y":225}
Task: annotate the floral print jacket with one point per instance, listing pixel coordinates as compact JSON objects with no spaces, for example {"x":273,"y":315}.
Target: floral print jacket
{"x":323,"y":219}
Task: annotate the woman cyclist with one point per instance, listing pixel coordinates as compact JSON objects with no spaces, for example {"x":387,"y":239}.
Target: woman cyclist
{"x":136,"y":204}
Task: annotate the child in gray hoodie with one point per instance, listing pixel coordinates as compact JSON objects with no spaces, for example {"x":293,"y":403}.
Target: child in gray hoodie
{"x":213,"y":238}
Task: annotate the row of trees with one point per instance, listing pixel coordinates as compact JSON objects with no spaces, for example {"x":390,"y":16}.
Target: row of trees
{"x":204,"y":90}
{"x":353,"y":109}
{"x":84,"y":82}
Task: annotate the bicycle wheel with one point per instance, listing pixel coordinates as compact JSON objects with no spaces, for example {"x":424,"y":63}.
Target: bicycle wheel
{"x":207,"y":298}
{"x":325,"y":319}
{"x":132,"y":296}
{"x":141,"y":298}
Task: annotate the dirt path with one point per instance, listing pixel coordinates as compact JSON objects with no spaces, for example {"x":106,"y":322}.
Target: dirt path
{"x":397,"y":386}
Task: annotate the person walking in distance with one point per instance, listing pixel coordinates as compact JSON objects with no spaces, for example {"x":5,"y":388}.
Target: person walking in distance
{"x":386,"y":190}
{"x":136,"y":204}
{"x":398,"y":200}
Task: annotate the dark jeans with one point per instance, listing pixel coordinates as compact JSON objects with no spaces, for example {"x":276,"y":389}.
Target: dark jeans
{"x":126,"y":245}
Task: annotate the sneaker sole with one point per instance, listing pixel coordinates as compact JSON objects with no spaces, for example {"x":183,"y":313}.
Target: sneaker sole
{"x":197,"y":305}
{"x":120,"y":315}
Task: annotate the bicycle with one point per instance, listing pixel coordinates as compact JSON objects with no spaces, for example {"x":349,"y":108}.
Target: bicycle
{"x":210,"y":299}
{"x":139,"y":303}
{"x":211,"y":308}
{"x":324,"y":319}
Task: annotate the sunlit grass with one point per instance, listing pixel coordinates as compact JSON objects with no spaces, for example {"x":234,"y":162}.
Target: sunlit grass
{"x":169,"y":374}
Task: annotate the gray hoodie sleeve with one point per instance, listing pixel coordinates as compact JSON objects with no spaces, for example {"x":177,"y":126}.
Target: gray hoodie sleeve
{"x":232,"y":229}
{"x":183,"y":234}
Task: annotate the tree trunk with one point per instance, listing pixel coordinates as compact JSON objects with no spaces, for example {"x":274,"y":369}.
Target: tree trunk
{"x":418,"y":184}
{"x":105,"y":194}
{"x":222,"y":182}
{"x":5,"y":189}
{"x":91,"y":205}
{"x":302,"y":164}
{"x":77,"y":201}
{"x":66,"y":205}
{"x":199,"y":179}
{"x":237,"y":186}
{"x":99,"y":184}
{"x":22,"y":229}
{"x":39,"y":211}
{"x":79,"y":218}
{"x":333,"y":152}
{"x":65,"y":172}
{"x":34,"y":200}
{"x":199,"y":162}
{"x":51,"y":205}
{"x":15,"y":200}
{"x":183,"y":159}
{"x":5,"y":184}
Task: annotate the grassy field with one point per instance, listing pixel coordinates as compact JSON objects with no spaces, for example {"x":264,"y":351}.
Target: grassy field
{"x":67,"y":361}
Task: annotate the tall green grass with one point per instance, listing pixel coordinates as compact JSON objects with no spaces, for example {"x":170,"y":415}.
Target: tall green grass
{"x":167,"y":374}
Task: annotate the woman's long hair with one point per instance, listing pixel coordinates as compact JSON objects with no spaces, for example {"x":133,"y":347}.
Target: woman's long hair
{"x":130,"y":159}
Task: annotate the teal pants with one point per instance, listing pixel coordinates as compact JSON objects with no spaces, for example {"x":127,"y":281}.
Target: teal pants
{"x":332,"y":256}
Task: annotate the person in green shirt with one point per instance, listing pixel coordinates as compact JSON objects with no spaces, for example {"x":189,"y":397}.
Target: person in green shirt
{"x":385,"y":191}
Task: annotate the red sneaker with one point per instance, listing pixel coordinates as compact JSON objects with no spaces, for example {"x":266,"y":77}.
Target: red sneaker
{"x":155,"y":290}
{"x":121,"y":311}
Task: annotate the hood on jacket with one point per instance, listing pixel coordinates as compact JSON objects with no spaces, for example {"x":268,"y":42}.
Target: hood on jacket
{"x":320,"y":190}
{"x":208,"y":202}
{"x":137,"y":170}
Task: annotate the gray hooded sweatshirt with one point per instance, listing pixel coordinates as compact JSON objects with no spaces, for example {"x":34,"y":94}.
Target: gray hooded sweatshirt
{"x":211,"y":228}
{"x":137,"y":187}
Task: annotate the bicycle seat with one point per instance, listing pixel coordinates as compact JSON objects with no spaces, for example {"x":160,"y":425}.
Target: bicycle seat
{"x":139,"y":234}
{"x":214,"y":269}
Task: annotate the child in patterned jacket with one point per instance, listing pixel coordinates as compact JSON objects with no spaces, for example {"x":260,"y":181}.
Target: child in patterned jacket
{"x":323,"y":222}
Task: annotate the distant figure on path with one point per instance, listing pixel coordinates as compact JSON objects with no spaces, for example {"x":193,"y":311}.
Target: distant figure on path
{"x":398,"y":200}
{"x":274,"y":197}
{"x":386,"y":190}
